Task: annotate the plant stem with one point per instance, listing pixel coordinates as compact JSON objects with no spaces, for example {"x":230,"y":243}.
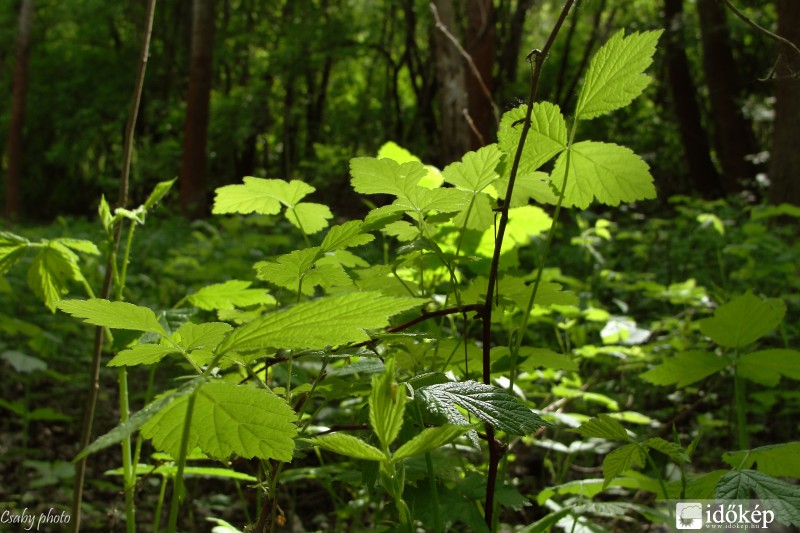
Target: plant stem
{"x":739,"y":391}
{"x":494,"y":446}
{"x":94,"y":374}
{"x":177,"y":489}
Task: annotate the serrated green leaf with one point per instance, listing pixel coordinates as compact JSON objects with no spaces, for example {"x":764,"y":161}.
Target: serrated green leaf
{"x":475,"y":171}
{"x":104,"y":212}
{"x":529,"y":185}
{"x":783,"y":497}
{"x":79,"y":245}
{"x":767,"y":366}
{"x":320,"y":323}
{"x":743,"y":320}
{"x":491,"y":404}
{"x":159,"y":191}
{"x":195,"y":336}
{"x":686,"y":368}
{"x":140,"y":417}
{"x":478,"y":216}
{"x":420,"y":200}
{"x":51,"y":270}
{"x":546,"y":137}
{"x":230,"y":294}
{"x":114,"y":315}
{"x":524,"y":223}
{"x":345,"y":235}
{"x":780,"y":460}
{"x":227,"y":419}
{"x":428,"y":440}
{"x":289,"y":269}
{"x":616,"y":73}
{"x":142,"y":354}
{"x":605,"y":171}
{"x":10,"y":253}
{"x":384,"y":176}
{"x":672,"y":450}
{"x":621,"y":459}
{"x":349,"y":446}
{"x":309,"y":217}
{"x":387,"y":405}
{"x":604,"y":427}
{"x":258,"y":195}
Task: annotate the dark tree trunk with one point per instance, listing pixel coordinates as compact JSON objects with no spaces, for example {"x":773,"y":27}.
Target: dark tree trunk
{"x":784,"y":168}
{"x":694,"y":139}
{"x":511,"y":54}
{"x":733,"y":134}
{"x":195,"y":135}
{"x":17,"y":122}
{"x":451,"y":77}
{"x":480,"y":46}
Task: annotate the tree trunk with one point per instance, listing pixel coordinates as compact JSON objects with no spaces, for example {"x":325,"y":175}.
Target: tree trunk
{"x":694,"y":139}
{"x":510,"y":57}
{"x":480,"y":46}
{"x":785,"y":155}
{"x":451,"y":77}
{"x":17,"y":122}
{"x":195,"y":135}
{"x":733,"y":134}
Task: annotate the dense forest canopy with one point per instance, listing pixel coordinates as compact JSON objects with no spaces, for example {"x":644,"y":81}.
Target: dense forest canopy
{"x":299,"y":87}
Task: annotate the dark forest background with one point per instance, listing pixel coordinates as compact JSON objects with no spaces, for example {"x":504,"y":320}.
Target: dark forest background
{"x":294,"y":89}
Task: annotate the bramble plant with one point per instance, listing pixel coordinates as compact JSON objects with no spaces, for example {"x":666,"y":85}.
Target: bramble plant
{"x":422,"y":346}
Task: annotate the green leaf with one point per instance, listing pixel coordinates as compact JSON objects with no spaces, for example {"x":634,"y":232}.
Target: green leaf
{"x":320,"y":323}
{"x":672,"y":450}
{"x":544,"y":358}
{"x":114,"y":315}
{"x":140,"y":417}
{"x":524,"y":223}
{"x":227,"y":419}
{"x":604,"y":427}
{"x":616,"y":73}
{"x":196,"y":336}
{"x":142,"y":354}
{"x":605,"y":171}
{"x":230,"y":294}
{"x":475,"y":171}
{"x":528,"y":185}
{"x":159,"y":191}
{"x":743,"y":320}
{"x":10,"y":253}
{"x":23,"y":363}
{"x":546,"y":138}
{"x":387,"y":404}
{"x":257,"y":195}
{"x":419,"y":200}
{"x":51,"y":270}
{"x":384,"y":176}
{"x":309,"y":217}
{"x":783,"y":497}
{"x":79,"y":245}
{"x":344,"y":236}
{"x":491,"y":404}
{"x":686,"y":368}
{"x":767,"y":366}
{"x":428,"y":440}
{"x":350,"y":446}
{"x":303,"y":270}
{"x":780,"y":460}
{"x":621,"y":460}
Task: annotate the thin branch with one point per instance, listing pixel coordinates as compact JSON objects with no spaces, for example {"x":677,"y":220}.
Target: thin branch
{"x":762,"y":29}
{"x":475,"y":72}
{"x":97,"y":352}
{"x":537,"y":58}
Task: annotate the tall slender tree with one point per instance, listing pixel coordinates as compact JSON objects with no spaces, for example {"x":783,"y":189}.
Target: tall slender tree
{"x":694,"y":138}
{"x":733,"y":134}
{"x":15,"y":130}
{"x":451,"y":78}
{"x":480,"y":46}
{"x":785,"y":157}
{"x":195,"y":132}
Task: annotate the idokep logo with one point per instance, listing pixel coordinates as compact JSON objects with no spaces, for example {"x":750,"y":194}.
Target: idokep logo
{"x":689,"y":515}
